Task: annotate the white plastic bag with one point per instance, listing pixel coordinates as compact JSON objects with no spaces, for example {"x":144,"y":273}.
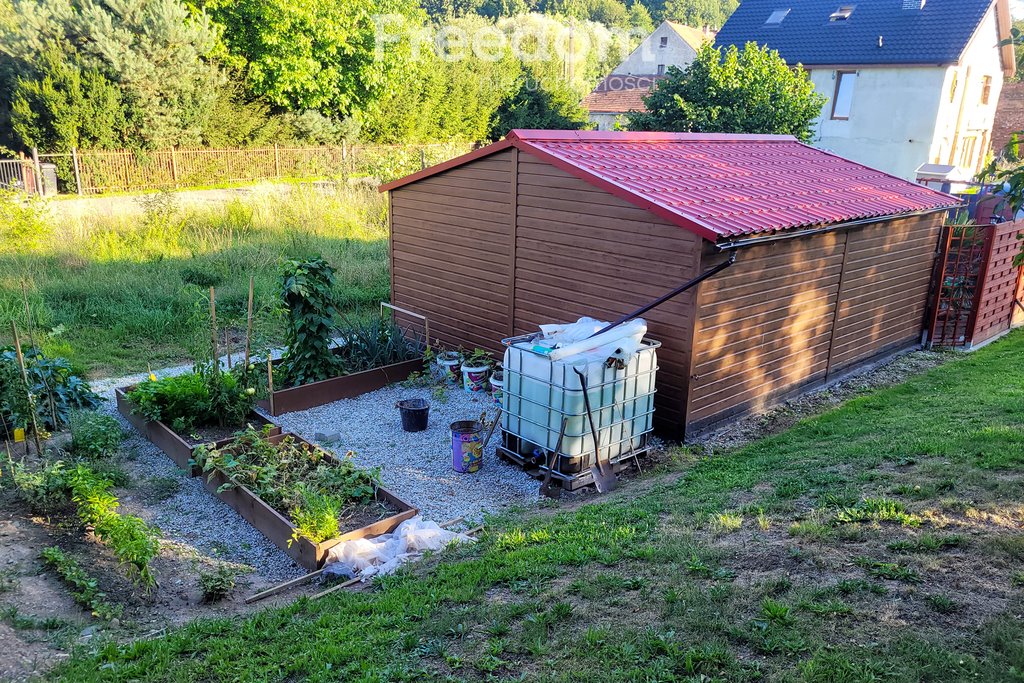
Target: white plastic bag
{"x":384,"y":554}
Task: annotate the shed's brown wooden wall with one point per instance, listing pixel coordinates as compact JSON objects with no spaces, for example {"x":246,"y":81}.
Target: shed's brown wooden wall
{"x":1001,"y":280}
{"x":581,"y":251}
{"x":501,"y":244}
{"x":796,"y":312}
{"x":451,"y":249}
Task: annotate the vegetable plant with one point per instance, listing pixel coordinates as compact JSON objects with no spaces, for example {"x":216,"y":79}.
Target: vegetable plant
{"x":208,"y":396}
{"x":84,"y":588}
{"x":57,"y":390}
{"x":307,"y":292}
{"x":94,"y":435}
{"x":374,"y":343}
{"x":308,"y":484}
{"x":217,"y":584}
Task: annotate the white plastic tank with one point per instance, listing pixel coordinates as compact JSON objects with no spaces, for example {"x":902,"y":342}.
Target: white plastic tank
{"x":540,"y":392}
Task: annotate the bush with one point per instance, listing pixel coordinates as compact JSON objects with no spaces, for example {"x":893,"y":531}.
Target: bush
{"x":218,"y":584}
{"x":307,"y":292}
{"x":24,"y":223}
{"x":95,"y":435}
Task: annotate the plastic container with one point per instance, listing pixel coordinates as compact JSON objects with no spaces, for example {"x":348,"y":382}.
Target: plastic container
{"x":449,"y":363}
{"x":538,"y":393}
{"x":467,"y":445}
{"x":414,"y":414}
{"x":474,"y":377}
{"x":497,"y":381}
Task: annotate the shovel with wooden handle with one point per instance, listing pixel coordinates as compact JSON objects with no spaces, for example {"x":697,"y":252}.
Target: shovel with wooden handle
{"x":604,"y":476}
{"x":546,"y":489}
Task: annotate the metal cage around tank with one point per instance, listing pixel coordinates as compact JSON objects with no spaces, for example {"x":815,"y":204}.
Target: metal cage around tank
{"x":539,"y":393}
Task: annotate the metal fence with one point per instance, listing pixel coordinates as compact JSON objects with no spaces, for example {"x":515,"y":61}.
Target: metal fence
{"x":105,"y":171}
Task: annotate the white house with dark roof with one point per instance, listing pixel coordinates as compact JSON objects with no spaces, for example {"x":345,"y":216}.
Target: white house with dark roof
{"x":908,"y":82}
{"x":671,"y":44}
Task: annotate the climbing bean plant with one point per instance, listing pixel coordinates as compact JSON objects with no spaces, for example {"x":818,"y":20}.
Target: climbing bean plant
{"x":307,"y":293}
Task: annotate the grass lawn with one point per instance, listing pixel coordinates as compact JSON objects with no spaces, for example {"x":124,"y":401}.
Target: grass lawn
{"x":118,"y":294}
{"x":880,"y":541}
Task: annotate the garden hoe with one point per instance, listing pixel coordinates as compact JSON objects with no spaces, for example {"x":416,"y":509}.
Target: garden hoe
{"x":546,"y":489}
{"x":604,"y":475}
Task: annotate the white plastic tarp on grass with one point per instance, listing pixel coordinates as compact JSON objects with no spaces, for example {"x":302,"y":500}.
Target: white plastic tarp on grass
{"x":367,"y":557}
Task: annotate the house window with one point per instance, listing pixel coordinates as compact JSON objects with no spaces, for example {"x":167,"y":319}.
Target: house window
{"x":842,"y":14}
{"x":986,"y":89}
{"x":842,"y":99}
{"x":661,"y":69}
{"x":663,"y":42}
{"x":776,"y":17}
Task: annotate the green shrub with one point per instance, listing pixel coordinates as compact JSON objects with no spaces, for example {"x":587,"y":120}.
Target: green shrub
{"x":94,"y":435}
{"x":46,"y":490}
{"x":218,"y":584}
{"x":84,"y":588}
{"x":24,"y":222}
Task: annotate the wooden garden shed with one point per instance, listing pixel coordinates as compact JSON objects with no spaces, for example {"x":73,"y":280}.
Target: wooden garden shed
{"x":833,"y":265}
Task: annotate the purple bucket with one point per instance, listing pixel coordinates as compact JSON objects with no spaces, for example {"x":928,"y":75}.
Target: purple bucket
{"x":467,"y":445}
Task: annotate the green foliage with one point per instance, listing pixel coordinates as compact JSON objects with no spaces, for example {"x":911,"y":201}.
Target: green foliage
{"x":84,"y":588}
{"x":373,"y":342}
{"x":888,"y":570}
{"x":94,"y":435}
{"x":877,"y":510}
{"x":209,"y":396}
{"x":45,"y":489}
{"x":217,"y":584}
{"x":62,"y":106}
{"x":55,"y":389}
{"x":24,"y":222}
{"x":308,"y":301}
{"x":535,"y":106}
{"x":307,"y":483}
{"x":134,"y":543}
{"x":736,"y":91}
{"x":699,"y":13}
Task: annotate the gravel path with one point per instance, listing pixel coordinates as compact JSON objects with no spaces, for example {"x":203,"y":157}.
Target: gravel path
{"x":417,"y":467}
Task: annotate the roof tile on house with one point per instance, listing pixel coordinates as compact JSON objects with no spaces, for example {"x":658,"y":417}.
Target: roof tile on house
{"x":619,"y":94}
{"x":716,"y":185}
{"x":936,"y":33}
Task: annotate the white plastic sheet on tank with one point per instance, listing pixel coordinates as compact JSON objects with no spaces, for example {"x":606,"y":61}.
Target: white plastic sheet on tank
{"x":542,"y":387}
{"x":367,"y":557}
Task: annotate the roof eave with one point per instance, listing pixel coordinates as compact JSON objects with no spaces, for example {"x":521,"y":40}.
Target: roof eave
{"x":487,"y":151}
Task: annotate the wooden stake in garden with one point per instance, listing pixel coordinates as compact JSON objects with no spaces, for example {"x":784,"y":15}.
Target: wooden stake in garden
{"x":248,"y":324}
{"x":28,"y":390}
{"x":213,"y":328}
{"x":227,"y":347}
{"x":270,"y":382}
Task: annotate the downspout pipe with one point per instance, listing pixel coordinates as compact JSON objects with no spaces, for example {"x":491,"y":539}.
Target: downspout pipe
{"x":675,"y":292}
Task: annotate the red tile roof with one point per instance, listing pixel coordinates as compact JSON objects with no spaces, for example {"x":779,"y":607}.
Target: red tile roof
{"x":716,"y":185}
{"x":619,"y":94}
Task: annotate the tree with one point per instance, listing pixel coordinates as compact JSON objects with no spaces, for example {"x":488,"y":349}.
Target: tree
{"x":537,"y":105}
{"x":741,"y":91}
{"x":699,"y":13}
{"x":305,"y":54}
{"x":155,"y":51}
{"x":640,"y":18}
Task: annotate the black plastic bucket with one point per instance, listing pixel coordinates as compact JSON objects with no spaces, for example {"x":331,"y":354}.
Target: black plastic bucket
{"x":414,"y":414}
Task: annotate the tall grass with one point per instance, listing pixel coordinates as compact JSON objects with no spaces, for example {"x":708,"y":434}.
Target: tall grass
{"x":118,"y":293}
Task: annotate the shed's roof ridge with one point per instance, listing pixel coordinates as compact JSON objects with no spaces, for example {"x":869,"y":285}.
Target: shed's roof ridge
{"x":718,"y":185}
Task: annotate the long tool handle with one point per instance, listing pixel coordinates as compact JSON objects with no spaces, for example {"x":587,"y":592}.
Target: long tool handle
{"x":675,"y":292}
{"x":554,"y":453}
{"x":490,"y":431}
{"x":590,"y":418}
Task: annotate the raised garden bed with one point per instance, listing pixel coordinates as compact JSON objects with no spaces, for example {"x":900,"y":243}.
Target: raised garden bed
{"x":346,"y":386}
{"x":388,"y":508}
{"x":176,"y":447}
